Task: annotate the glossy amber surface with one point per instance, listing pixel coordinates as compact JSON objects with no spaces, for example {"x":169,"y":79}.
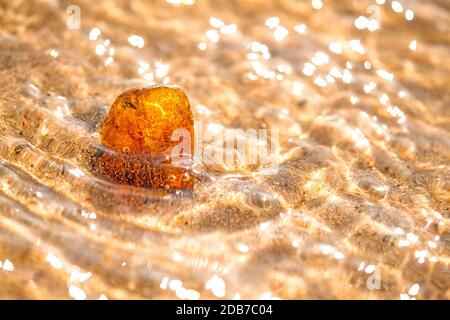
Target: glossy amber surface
{"x":137,"y":134}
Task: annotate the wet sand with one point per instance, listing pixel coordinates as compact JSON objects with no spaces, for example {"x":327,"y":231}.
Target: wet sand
{"x":359,"y":207}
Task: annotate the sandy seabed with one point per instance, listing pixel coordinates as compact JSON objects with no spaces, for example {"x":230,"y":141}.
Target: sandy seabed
{"x":359,"y":207}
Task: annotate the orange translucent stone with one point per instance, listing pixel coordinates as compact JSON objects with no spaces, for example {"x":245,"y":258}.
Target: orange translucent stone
{"x":138,"y":134}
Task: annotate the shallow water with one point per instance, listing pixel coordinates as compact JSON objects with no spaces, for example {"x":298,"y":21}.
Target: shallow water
{"x":358,"y":209}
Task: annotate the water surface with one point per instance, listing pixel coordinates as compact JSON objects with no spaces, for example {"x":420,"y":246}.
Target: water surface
{"x":357,"y":89}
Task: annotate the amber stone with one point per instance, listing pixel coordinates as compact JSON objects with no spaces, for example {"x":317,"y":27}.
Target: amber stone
{"x":137,"y":134}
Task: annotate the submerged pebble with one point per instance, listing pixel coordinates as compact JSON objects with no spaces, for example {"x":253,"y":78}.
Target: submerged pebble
{"x":144,"y":129}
